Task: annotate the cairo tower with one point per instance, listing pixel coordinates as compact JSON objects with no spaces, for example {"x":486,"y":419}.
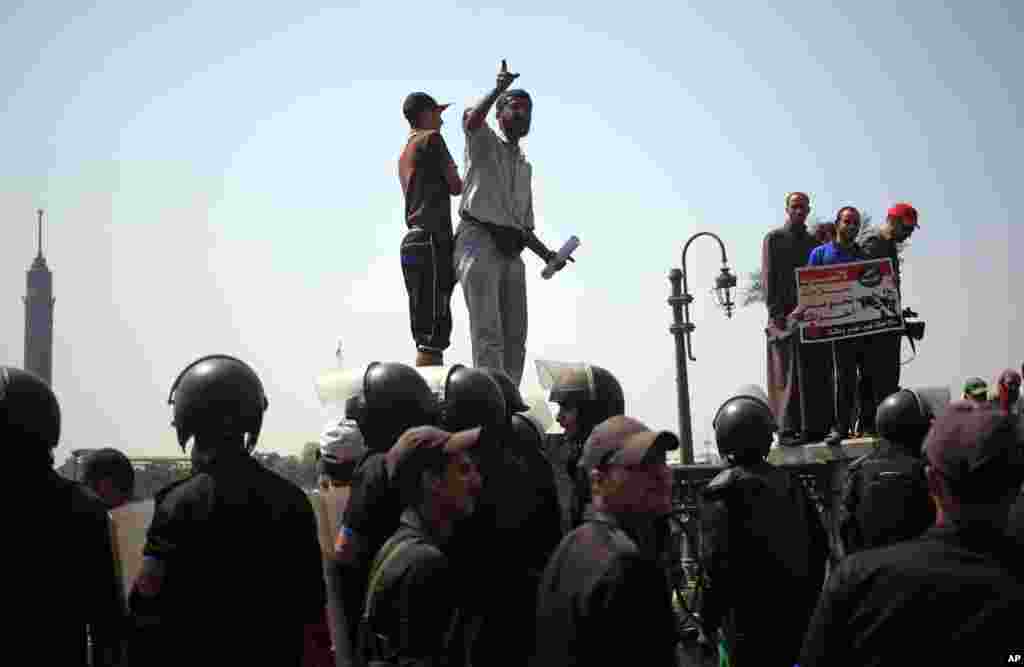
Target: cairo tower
{"x":39,"y":315}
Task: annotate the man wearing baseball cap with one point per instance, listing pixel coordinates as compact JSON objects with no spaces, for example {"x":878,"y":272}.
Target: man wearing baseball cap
{"x":976,"y":390}
{"x":880,"y":372}
{"x":603,"y":599}
{"x":341,"y":448}
{"x":962,"y":581}
{"x":429,"y":179}
{"x":410,"y":605}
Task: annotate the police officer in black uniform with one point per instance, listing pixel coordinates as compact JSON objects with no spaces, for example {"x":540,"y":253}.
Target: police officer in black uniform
{"x":409,"y":613}
{"x":603,"y":598}
{"x":763,"y":546}
{"x":232,"y":570}
{"x":472,"y":398}
{"x":390,"y":398}
{"x":73,"y":591}
{"x":519,"y":522}
{"x":586,"y":396}
{"x":885,"y":495}
{"x":954,"y":595}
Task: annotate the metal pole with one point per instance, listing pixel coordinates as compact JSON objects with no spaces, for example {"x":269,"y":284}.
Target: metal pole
{"x":679,"y":329}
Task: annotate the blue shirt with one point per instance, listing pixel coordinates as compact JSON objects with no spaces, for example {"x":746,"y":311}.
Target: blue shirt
{"x":830,"y":253}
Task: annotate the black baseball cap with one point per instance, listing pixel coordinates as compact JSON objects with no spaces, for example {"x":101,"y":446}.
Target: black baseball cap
{"x":419,"y":102}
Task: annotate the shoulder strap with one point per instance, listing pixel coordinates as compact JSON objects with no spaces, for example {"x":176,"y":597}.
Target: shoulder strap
{"x":387,"y":553}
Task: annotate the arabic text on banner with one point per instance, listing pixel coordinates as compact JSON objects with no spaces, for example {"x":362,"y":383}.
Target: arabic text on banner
{"x":848,"y":300}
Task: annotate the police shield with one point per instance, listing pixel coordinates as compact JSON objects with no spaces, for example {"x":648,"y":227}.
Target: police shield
{"x":567,"y":376}
{"x":128,"y":525}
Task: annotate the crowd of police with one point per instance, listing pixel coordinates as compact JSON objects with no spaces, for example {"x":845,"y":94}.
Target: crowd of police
{"x":453,"y":548}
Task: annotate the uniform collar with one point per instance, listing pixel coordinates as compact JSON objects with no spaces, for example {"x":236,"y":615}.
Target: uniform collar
{"x":639,"y":529}
{"x":412,"y":520}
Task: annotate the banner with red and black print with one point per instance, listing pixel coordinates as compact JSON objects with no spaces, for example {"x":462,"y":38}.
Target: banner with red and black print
{"x":847,"y":300}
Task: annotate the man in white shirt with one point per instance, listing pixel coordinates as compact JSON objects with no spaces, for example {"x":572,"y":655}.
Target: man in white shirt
{"x":497,"y":223}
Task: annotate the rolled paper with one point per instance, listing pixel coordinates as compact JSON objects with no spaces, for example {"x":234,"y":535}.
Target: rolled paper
{"x":561,"y":256}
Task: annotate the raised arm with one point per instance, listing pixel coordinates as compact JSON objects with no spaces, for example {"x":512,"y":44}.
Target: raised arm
{"x":474,"y":117}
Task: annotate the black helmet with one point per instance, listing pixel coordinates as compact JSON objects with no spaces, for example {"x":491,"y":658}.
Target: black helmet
{"x":393,"y":398}
{"x":904,"y":418}
{"x":513,"y":399}
{"x":471,"y":399}
{"x":744,"y":425}
{"x":29,"y":412}
{"x":527,"y":432}
{"x":593,"y":391}
{"x":219,"y":393}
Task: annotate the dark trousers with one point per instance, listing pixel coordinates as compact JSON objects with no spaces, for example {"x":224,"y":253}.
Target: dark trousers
{"x":799,"y":382}
{"x":880,"y":372}
{"x":848,"y":356}
{"x":429,"y":278}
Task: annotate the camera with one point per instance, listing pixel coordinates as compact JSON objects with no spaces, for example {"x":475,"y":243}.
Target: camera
{"x":914,"y":327}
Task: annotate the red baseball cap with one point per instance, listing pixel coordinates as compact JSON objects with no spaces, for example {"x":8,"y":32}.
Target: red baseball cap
{"x":904,"y":211}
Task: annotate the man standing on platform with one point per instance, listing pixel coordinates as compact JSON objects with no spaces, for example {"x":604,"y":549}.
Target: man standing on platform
{"x":846,"y":354}
{"x":429,"y":179}
{"x":799,"y":376}
{"x":882,"y":350}
{"x":497,"y":223}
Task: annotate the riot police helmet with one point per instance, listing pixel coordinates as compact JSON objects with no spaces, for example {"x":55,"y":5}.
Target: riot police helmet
{"x":29,"y":411}
{"x":903,"y":418}
{"x":220,"y":395}
{"x":593,"y":391}
{"x":471,"y":398}
{"x":527,"y":431}
{"x":513,"y":399}
{"x":744,"y":426}
{"x":392,"y":398}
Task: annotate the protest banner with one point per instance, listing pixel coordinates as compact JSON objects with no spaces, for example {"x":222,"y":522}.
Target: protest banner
{"x":847,"y":300}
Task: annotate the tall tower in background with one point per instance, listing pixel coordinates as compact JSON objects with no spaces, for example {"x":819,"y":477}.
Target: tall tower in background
{"x":39,"y":314}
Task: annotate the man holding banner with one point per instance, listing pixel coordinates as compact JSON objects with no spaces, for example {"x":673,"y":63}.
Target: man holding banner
{"x":846,"y":354}
{"x":842,"y":300}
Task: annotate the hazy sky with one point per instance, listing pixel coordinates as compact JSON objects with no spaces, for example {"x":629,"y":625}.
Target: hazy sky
{"x":222,"y":178}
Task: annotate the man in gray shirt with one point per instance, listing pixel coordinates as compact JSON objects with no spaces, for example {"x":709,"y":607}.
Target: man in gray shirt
{"x":497,"y":223}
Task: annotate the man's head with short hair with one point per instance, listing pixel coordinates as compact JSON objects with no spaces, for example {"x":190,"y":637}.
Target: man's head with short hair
{"x":627,"y":467}
{"x":514,"y":110}
{"x":824,"y":232}
{"x":110,"y":474}
{"x":798,"y":205}
{"x":434,"y":472}
{"x":847,"y":225}
{"x":975,"y":466}
{"x":423,"y":112}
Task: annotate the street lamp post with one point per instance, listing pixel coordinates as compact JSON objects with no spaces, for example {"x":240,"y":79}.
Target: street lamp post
{"x":681,"y":329}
